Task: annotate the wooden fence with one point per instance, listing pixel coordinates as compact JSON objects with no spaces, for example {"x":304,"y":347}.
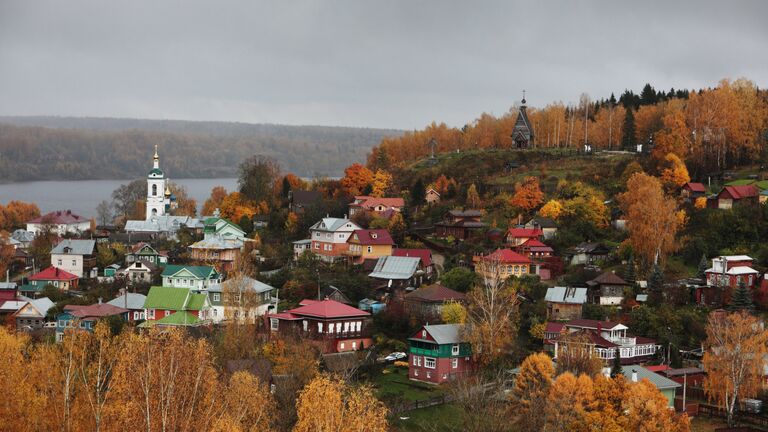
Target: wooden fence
{"x":741,"y":417}
{"x":426,"y":403}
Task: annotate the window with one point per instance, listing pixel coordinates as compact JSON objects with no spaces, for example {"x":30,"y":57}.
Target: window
{"x":317,"y":245}
{"x":359,"y":325}
{"x":454,"y":363}
{"x":517,"y":269}
{"x":154,"y":190}
{"x":341,"y":346}
{"x":455,"y":349}
{"x":74,"y":262}
{"x":274,"y":324}
{"x":413,"y":360}
{"x":429,"y":374}
{"x":319,"y":327}
{"x":346,"y":326}
{"x":370,"y":249}
{"x":305,"y":325}
{"x":354,"y":345}
{"x":62,"y":323}
{"x":330,"y":328}
{"x":59,"y":262}
{"x":423,"y":334}
{"x":167,"y":313}
{"x":416,"y":373}
{"x":429,"y":362}
{"x":328,"y":236}
{"x":418,"y":361}
{"x":151,"y":313}
{"x":216,"y":296}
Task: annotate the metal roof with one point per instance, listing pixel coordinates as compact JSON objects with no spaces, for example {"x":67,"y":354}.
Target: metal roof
{"x":566,"y":295}
{"x":442,"y":333}
{"x":657,"y":380}
{"x":394,"y":267}
{"x":135,"y":301}
{"x":75,"y":247}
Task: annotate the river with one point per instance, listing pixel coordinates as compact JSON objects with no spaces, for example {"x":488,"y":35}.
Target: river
{"x":82,"y":196}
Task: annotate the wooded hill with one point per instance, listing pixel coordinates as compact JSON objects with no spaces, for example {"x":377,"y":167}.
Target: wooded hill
{"x":67,"y":148}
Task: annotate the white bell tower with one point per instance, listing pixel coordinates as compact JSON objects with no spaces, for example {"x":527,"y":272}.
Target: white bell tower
{"x":156,"y":188}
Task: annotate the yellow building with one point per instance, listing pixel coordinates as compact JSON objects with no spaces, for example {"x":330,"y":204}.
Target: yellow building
{"x":502,"y":264}
{"x":369,"y":244}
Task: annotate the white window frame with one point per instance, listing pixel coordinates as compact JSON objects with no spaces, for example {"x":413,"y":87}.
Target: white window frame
{"x":455,"y":363}
{"x":455,"y":349}
{"x":430,"y":361}
{"x":274,"y":324}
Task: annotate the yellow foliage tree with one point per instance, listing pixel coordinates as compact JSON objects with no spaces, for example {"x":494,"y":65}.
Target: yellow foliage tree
{"x":330,"y":405}
{"x":734,"y":356}
{"x":571,"y":392}
{"x":381,"y":184}
{"x":531,"y":389}
{"x":453,"y":313}
{"x":646,"y":409}
{"x":552,"y":209}
{"x":700,"y":203}
{"x":528,"y":195}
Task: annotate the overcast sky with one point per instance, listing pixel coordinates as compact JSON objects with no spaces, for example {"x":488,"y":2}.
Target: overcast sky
{"x":399,"y":64}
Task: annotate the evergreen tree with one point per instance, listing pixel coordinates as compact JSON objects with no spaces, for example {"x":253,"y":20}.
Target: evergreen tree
{"x":417,"y":192}
{"x":246,"y":223}
{"x":616,"y":368}
{"x":703,"y":267}
{"x":648,"y":96}
{"x":629,"y":271}
{"x":741,"y":299}
{"x":656,"y":286}
{"x":628,"y":140}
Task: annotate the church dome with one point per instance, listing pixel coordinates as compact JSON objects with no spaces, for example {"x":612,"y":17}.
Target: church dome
{"x":156,"y":173}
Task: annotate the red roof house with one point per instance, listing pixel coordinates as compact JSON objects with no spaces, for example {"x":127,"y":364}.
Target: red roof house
{"x":518,"y":236}
{"x":535,"y":249}
{"x":503,"y":263}
{"x":333,"y":326}
{"x":604,"y":338}
{"x":693,"y":190}
{"x":366,"y":244}
{"x":375,"y":205}
{"x":730,"y":195}
{"x":427,"y":303}
{"x":54,"y":276}
{"x":425,"y":255}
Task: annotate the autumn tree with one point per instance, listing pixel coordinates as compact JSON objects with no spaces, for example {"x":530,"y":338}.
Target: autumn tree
{"x":16,"y":214}
{"x":234,"y":206}
{"x":453,"y":313}
{"x":492,"y":314}
{"x":257,"y":177}
{"x":675,"y":137}
{"x":128,"y":200}
{"x":247,"y":405}
{"x":356,"y":179}
{"x":6,"y":252}
{"x":327,"y":404}
{"x":735,"y":350}
{"x":528,"y":195}
{"x":297,"y":362}
{"x":553,"y":209}
{"x":218,"y":193}
{"x":530,"y":392}
{"x":651,"y":218}
{"x":473,"y":197}
{"x":568,"y":401}
{"x":646,"y":409}
{"x":675,"y":174}
{"x":478,"y":397}
{"x":381,"y":183}
{"x":575,"y":355}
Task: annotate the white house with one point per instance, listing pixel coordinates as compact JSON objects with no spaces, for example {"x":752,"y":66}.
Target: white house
{"x":329,"y":237}
{"x":198,"y":278}
{"x":75,"y":256}
{"x":60,"y":222}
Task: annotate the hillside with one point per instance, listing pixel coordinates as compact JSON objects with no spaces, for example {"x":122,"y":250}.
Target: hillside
{"x":67,"y":148}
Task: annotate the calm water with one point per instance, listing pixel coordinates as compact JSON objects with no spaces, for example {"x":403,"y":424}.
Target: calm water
{"x":82,"y":196}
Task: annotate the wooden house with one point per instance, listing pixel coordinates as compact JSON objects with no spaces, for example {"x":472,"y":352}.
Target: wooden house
{"x":439,"y":353}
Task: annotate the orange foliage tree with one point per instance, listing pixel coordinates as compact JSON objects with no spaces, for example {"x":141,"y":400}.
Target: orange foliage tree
{"x":651,"y":218}
{"x":16,"y":214}
{"x":675,"y":174}
{"x":356,"y":179}
{"x":218,"y":193}
{"x":381,"y":183}
{"x":528,"y":194}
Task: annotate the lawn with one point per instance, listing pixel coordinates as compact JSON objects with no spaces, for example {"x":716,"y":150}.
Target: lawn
{"x":393,"y":386}
{"x":444,"y":418}
{"x":706,"y":424}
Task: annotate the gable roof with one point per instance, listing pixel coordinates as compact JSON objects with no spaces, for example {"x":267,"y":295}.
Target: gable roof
{"x":524,"y":232}
{"x":441,"y":333}
{"x":59,"y":217}
{"x":569,"y":295}
{"x":93,"y":311}
{"x":534,"y":242}
{"x":465,"y":213}
{"x":395,"y":267}
{"x":594,"y":324}
{"x":543,"y":222}
{"x":371,"y":237}
{"x":200,"y":272}
{"x":168,"y":298}
{"x":661,"y":382}
{"x":75,"y":247}
{"x":54,"y":274}
{"x":435,"y":293}
{"x":134,"y":301}
{"x":424,"y":254}
{"x":248,"y":283}
{"x":333,"y":224}
{"x":608,"y":278}
{"x":740,"y":192}
{"x":37,"y":307}
{"x":695,"y":187}
{"x":327,"y":309}
{"x":369,"y":202}
{"x":507,"y":256}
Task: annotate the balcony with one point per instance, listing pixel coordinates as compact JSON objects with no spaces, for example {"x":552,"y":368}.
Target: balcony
{"x":623,"y":341}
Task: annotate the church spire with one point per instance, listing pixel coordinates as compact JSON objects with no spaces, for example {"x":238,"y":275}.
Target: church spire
{"x":523,"y":101}
{"x":156,"y":161}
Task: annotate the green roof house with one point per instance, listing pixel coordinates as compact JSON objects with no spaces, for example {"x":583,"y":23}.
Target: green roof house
{"x":195,"y":277}
{"x":163,"y":303}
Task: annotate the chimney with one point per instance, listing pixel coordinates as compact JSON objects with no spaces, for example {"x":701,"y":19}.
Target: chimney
{"x":634,"y":375}
{"x":100,"y":300}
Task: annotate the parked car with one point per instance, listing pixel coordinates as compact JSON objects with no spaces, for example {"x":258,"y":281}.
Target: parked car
{"x":395,"y":356}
